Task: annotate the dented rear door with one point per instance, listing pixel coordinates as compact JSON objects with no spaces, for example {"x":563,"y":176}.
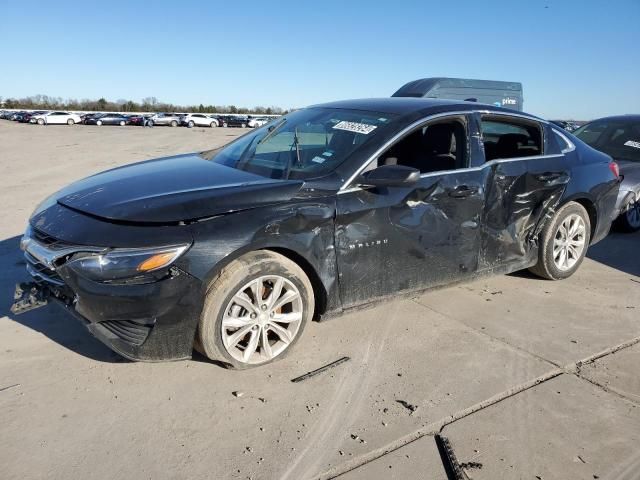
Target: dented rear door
{"x":523,"y":194}
{"x":406,"y":238}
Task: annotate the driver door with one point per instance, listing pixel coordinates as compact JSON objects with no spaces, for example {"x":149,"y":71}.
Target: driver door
{"x":391,"y":239}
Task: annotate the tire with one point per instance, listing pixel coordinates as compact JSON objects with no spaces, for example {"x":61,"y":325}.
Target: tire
{"x":244,"y":125}
{"x":191,"y":124}
{"x":213,"y":125}
{"x":174,"y":123}
{"x":551,"y":240}
{"x":224,"y":124}
{"x":240,"y":276}
{"x":40,"y":121}
{"x":122,"y":123}
{"x":99,"y":123}
{"x":150,"y":123}
{"x":70,"y":122}
{"x":629,"y":221}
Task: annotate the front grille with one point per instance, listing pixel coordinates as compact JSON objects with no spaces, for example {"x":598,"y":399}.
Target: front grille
{"x":47,"y":240}
{"x":130,"y":332}
{"x":41,"y":272}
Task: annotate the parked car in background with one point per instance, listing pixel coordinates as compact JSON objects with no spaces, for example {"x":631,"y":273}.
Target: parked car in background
{"x":255,"y":122}
{"x":236,"y":249}
{"x":620,"y":137}
{"x":138,"y":119}
{"x":26,"y":117}
{"x":108,"y":119}
{"x":198,"y":120}
{"x":568,"y":126}
{"x":170,"y":119}
{"x":16,"y":116}
{"x":235,"y":121}
{"x":56,"y":118}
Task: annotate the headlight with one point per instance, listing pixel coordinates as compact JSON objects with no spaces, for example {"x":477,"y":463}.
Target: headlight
{"x":124,"y":263}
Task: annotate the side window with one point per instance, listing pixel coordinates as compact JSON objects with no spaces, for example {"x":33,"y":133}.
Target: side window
{"x":436,"y":146}
{"x":510,"y":138}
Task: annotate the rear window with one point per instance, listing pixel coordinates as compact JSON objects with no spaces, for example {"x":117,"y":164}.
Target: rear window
{"x":510,"y":138}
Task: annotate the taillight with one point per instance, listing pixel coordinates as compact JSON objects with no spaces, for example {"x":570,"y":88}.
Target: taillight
{"x":613,"y":166}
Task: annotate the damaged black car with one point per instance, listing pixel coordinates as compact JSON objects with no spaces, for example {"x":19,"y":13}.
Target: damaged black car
{"x":233,"y":251}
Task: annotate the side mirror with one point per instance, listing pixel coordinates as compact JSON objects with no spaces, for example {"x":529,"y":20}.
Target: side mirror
{"x":390,"y":176}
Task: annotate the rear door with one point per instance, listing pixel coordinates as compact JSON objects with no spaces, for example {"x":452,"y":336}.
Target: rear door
{"x":407,"y":238}
{"x":528,"y":177}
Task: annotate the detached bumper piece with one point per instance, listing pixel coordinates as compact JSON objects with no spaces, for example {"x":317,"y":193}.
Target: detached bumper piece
{"x":29,"y":296}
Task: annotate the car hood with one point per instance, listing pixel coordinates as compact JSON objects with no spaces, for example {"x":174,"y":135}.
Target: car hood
{"x":170,"y":190}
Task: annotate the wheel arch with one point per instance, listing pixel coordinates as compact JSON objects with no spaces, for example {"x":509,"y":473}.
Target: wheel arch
{"x":319,"y":289}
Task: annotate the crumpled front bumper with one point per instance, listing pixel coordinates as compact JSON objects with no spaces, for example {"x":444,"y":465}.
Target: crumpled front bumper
{"x":152,"y":321}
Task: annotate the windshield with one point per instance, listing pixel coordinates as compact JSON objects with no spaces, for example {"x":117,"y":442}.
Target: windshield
{"x":304,"y":144}
{"x":618,"y":138}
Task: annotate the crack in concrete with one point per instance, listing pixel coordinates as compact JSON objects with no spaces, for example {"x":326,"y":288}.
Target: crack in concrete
{"x":437,"y":426}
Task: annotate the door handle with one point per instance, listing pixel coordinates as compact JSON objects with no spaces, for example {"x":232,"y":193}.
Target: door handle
{"x":550,"y":177}
{"x":463,"y":191}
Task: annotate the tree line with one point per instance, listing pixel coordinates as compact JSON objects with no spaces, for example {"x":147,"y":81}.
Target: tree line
{"x":148,"y":104}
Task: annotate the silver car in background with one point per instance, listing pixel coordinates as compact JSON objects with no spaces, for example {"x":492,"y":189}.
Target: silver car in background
{"x":170,"y":119}
{"x":619,"y":137}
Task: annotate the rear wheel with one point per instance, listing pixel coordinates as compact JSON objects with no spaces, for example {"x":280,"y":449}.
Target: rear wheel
{"x":70,"y":121}
{"x":99,"y":123}
{"x":150,"y":123}
{"x":40,"y":121}
{"x":255,"y":310}
{"x":122,"y":123}
{"x":213,"y":124}
{"x":174,"y":123}
{"x":563,"y":243}
{"x":244,"y":125}
{"x":629,"y":221}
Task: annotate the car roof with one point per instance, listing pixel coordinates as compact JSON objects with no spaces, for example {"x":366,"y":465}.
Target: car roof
{"x":631,"y":117}
{"x":407,"y":105}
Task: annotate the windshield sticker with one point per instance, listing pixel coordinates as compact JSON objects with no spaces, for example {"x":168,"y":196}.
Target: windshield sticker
{"x":327,"y":154}
{"x":355,"y":127}
{"x":318,"y":159}
{"x":629,"y":143}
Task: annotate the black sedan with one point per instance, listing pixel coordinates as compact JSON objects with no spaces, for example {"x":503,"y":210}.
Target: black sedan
{"x":235,"y":121}
{"x":236,"y":249}
{"x":107,"y":119}
{"x":619,"y":137}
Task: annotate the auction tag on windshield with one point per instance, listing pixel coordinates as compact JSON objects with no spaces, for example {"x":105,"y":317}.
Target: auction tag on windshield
{"x":630,"y":143}
{"x":355,"y":127}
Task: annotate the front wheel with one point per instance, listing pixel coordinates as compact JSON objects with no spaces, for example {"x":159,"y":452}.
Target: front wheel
{"x":191,"y":124}
{"x":40,"y":121}
{"x":122,"y":123}
{"x":629,"y":220}
{"x":563,"y":243}
{"x":213,"y":124}
{"x":70,"y":122}
{"x":174,"y":123}
{"x":255,"y":310}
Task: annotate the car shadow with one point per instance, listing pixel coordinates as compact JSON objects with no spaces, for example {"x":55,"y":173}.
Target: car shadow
{"x":51,"y":320}
{"x":620,"y":251}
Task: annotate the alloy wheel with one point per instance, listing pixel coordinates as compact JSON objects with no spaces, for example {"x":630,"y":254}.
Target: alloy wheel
{"x":262,"y":319}
{"x":569,"y":242}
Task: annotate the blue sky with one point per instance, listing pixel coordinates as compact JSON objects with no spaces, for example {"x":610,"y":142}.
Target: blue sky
{"x":576,"y":59}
